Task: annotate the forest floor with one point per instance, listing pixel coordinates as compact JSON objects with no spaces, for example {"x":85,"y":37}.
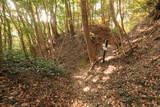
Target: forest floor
{"x":127,"y":80}
{"x":123,"y":80}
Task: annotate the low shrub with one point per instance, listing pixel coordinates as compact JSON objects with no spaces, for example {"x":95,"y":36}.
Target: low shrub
{"x":16,"y":62}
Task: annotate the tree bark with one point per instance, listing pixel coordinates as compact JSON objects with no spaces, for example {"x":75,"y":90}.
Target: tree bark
{"x":37,"y":34}
{"x":1,"y":48}
{"x":120,"y":30}
{"x":102,"y":12}
{"x":69,"y":17}
{"x":91,"y":50}
{"x":53,"y":22}
{"x":9,"y":36}
{"x":19,"y":29}
{"x":121,"y":15}
{"x":4,"y":25}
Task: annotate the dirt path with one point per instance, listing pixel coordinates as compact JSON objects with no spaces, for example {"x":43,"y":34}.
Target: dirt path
{"x":91,"y":85}
{"x":129,"y":80}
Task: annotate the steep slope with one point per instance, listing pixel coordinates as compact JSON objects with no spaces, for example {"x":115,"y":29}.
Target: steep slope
{"x":131,"y":79}
{"x":122,"y":81}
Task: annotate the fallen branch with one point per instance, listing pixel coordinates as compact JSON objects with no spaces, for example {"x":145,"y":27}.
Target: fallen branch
{"x":94,"y":64}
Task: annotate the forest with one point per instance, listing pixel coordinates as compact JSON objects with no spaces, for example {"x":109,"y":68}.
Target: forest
{"x":79,"y":53}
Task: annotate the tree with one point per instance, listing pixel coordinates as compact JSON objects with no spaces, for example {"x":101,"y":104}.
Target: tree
{"x":91,"y":50}
{"x":1,"y":48}
{"x":121,"y":14}
{"x":69,"y":17}
{"x":53,"y":21}
{"x":1,"y":42}
{"x":112,"y":13}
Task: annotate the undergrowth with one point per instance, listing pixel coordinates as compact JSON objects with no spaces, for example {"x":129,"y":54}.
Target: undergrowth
{"x":15,"y":62}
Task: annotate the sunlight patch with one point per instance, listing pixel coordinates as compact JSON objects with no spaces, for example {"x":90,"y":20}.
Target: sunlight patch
{"x":87,"y":88}
{"x":79,"y":103}
{"x":44,"y":16}
{"x":80,"y":82}
{"x":109,"y":58}
{"x":105,"y":78}
{"x":98,"y":68}
{"x":95,"y":79}
{"x":11,"y":5}
{"x":99,"y":86}
{"x":94,"y":90}
{"x":78,"y":77}
{"x":110,"y":69}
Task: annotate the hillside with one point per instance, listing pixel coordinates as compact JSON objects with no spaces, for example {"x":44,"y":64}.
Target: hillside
{"x":127,"y":80}
{"x":130,"y":80}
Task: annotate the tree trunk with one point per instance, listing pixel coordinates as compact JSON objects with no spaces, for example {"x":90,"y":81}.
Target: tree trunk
{"x":1,"y":48}
{"x":112,"y":13}
{"x":53,"y":22}
{"x":121,"y":15}
{"x":102,"y":12}
{"x":4,"y":25}
{"x":69,"y":17}
{"x":9,"y":36}
{"x":121,"y":32}
{"x":91,"y":50}
{"x":19,"y":29}
{"x":38,"y":38}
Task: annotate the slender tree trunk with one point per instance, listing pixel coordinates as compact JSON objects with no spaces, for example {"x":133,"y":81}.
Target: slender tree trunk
{"x":27,"y":35}
{"x":91,"y":50}
{"x":4,"y":25}
{"x":23,"y":46}
{"x":38,"y":38}
{"x":31,"y":40}
{"x":1,"y":48}
{"x":112,"y":13}
{"x":89,"y":9}
{"x":102,"y":12}
{"x":78,"y":21}
{"x":53,"y":20}
{"x":22,"y":43}
{"x":9,"y":37}
{"x":69,"y":16}
{"x":118,"y":27}
{"x":48,"y":28}
{"x":121,"y":32}
{"x":121,"y":14}
{"x":73,"y":13}
{"x":66,"y":25}
{"x":19,"y":29}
